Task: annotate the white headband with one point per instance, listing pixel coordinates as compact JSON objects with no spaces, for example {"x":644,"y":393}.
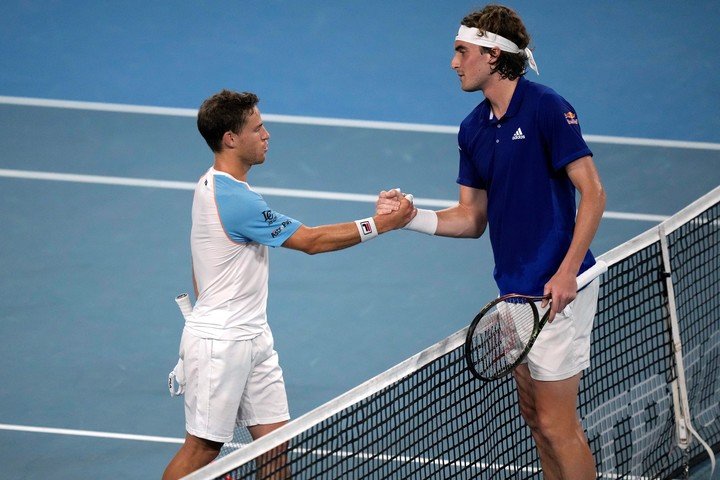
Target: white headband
{"x":490,"y":40}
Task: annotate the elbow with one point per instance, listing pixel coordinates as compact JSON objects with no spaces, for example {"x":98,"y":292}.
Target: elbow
{"x":477,"y":233}
{"x":600,"y":198}
{"x":478,"y":228}
{"x":314,"y":245}
{"x":310,"y":248}
{"x":305,"y":240}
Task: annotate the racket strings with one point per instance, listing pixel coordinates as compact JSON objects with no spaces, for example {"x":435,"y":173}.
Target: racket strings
{"x":501,"y":336}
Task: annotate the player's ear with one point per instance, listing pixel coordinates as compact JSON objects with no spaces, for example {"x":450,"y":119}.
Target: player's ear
{"x":228,"y":139}
{"x":494,"y":54}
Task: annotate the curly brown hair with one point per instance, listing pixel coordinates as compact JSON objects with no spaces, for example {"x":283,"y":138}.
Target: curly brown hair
{"x":505,"y":22}
{"x":226,"y":111}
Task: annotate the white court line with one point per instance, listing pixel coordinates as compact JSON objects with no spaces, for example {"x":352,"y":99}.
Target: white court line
{"x":327,"y":121}
{"x":319,"y":452}
{"x":269,"y":191}
{"x":90,"y":433}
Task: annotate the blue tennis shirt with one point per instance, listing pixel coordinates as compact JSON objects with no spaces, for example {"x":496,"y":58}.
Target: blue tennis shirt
{"x":520,"y":161}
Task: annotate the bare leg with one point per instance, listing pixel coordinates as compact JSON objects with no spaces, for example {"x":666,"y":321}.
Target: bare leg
{"x":273,"y":464}
{"x":550,"y":410}
{"x":194,"y":454}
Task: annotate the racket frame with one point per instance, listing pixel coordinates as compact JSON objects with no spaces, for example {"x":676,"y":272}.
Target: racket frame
{"x":538,"y":324}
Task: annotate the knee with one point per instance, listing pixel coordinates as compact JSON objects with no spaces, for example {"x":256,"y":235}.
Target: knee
{"x":194,"y":454}
{"x":547,"y":426}
{"x":201,"y":448}
{"x":542,"y":427}
{"x":555,"y":431}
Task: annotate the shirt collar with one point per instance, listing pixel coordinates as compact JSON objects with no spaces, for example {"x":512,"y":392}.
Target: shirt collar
{"x":515,"y":102}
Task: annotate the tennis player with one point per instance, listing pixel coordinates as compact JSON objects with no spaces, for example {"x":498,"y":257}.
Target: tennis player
{"x":522,"y":158}
{"x":229,"y":367}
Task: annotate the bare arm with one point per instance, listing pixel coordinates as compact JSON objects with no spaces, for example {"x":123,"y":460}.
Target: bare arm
{"x":328,"y":238}
{"x":563,"y":286}
{"x":467,"y":219}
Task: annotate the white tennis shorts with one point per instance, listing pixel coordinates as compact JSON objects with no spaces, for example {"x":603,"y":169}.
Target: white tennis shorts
{"x":562,"y":349}
{"x":229,"y":383}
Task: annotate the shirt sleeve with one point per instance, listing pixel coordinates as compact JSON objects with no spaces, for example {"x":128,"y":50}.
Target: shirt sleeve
{"x":560,"y":128}
{"x":247,"y":218}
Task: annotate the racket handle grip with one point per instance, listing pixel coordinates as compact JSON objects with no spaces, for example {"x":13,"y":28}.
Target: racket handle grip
{"x":591,"y":273}
{"x":183,"y":301}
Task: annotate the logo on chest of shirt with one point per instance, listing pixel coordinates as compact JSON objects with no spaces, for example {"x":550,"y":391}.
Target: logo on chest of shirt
{"x":519,"y":135}
{"x":269,"y":216}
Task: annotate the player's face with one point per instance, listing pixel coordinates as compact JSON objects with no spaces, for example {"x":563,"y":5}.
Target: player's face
{"x":253,"y":139}
{"x":471,"y":65}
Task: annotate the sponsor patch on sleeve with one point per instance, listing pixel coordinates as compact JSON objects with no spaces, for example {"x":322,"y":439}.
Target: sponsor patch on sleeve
{"x":571,"y":118}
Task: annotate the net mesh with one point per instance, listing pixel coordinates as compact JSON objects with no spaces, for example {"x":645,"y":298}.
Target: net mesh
{"x":625,"y":398}
{"x":695,"y":256}
{"x":430,"y":418}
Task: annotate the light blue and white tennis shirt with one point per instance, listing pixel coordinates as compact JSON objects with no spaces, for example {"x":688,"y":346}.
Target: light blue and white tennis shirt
{"x":232,"y":228}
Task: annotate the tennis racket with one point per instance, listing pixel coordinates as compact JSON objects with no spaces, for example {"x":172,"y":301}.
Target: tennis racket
{"x":502,"y":334}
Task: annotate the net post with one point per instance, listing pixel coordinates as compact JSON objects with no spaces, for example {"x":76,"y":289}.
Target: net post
{"x":681,"y":406}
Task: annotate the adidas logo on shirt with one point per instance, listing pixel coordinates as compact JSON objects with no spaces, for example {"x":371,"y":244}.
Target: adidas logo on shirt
{"x":519,"y":135}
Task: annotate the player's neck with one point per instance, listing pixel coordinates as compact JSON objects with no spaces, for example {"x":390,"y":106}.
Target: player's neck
{"x":228,"y":164}
{"x":499,"y":93}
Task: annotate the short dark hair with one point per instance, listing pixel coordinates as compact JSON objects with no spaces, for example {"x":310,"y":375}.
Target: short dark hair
{"x":505,"y":22}
{"x":226,"y":111}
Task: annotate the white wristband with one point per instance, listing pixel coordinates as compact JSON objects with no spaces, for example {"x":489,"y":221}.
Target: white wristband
{"x":425,"y":221}
{"x":367,"y":229}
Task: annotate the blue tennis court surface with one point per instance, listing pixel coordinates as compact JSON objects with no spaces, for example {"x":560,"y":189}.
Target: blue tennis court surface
{"x":94,"y":246}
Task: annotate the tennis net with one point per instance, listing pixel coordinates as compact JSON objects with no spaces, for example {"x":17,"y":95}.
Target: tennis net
{"x":647,"y":402}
